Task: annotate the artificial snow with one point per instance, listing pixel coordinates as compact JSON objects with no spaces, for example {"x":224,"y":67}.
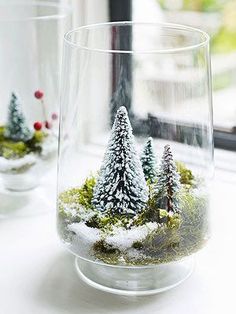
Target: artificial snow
{"x":119,"y":237}
{"x":49,"y":146}
{"x":76,"y":211}
{"x":14,"y":164}
{"x":124,"y":239}
{"x":85,"y":233}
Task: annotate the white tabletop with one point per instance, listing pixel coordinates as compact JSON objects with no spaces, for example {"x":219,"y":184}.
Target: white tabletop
{"x":37,"y":275}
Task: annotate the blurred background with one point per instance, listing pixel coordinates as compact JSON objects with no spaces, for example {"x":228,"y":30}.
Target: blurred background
{"x":216,"y":17}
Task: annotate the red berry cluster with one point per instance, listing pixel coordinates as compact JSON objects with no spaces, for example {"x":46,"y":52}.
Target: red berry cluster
{"x":47,"y":124}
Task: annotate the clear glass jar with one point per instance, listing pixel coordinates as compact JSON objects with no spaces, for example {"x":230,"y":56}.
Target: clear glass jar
{"x":31,"y":35}
{"x":136,"y":153}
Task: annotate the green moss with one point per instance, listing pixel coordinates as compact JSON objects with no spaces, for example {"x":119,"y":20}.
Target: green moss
{"x":13,"y":150}
{"x":38,"y":137}
{"x":107,"y":221}
{"x":176,"y":236}
{"x":173,"y":221}
{"x":34,"y":144}
{"x":107,"y":253}
{"x":105,"y":248}
{"x":81,"y":195}
{"x":186,"y":175}
{"x":10,"y":149}
{"x":182,"y":235}
{"x":2,"y":128}
{"x":138,"y":245}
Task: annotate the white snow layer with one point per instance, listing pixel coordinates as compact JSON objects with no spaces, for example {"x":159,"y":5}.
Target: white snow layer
{"x":120,"y":238}
{"x":123,"y":238}
{"x":9,"y":164}
{"x":49,"y":146}
{"x":85,"y":233}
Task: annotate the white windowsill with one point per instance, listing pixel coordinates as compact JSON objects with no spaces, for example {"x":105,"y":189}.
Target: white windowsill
{"x":38,"y":275}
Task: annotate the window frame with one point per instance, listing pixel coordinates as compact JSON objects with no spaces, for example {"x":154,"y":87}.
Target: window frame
{"x":225,"y":139}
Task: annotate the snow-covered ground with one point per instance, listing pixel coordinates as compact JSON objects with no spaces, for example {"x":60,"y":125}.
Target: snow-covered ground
{"x":119,"y":237}
{"x":49,"y":148}
{"x":7,"y":165}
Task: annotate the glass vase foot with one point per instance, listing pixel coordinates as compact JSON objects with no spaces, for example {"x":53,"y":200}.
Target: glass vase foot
{"x":134,"y":281}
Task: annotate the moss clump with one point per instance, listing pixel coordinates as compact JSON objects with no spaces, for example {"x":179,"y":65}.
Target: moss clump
{"x":175,"y":235}
{"x":107,"y":253}
{"x":138,"y":245}
{"x":13,"y":150}
{"x":105,"y":248}
{"x":82,"y":195}
{"x":34,"y":144}
{"x":77,"y":199}
{"x":10,"y":149}
{"x":182,"y":235}
{"x":107,"y":221}
{"x":186,"y":175}
{"x":173,"y":221}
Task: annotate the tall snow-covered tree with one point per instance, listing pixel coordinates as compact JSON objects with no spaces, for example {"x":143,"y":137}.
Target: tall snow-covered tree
{"x":148,"y":160}
{"x":121,"y":186}
{"x":16,"y":128}
{"x":168,"y":183}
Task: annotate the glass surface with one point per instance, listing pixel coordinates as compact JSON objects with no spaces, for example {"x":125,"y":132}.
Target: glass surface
{"x":31,"y":47}
{"x":133,"y":187}
{"x":218,"y":19}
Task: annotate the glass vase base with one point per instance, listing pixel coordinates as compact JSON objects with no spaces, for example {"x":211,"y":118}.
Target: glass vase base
{"x":134,"y":281}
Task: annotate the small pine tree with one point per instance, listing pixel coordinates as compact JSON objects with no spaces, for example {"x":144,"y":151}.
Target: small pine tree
{"x":168,"y":183}
{"x":121,"y":186}
{"x":148,"y":160}
{"x":16,"y":128}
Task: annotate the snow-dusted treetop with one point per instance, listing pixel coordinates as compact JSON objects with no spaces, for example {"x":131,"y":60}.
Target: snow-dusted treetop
{"x":148,"y":160}
{"x":16,"y":128}
{"x":168,"y":184}
{"x":121,"y":186}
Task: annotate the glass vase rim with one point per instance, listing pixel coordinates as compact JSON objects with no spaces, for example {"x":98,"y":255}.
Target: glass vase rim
{"x":171,"y":26}
{"x":67,"y":10}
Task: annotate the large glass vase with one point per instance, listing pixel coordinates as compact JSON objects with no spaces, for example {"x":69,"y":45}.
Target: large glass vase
{"x":136,"y":151}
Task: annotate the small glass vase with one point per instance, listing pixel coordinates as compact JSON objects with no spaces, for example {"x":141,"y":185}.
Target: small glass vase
{"x":31,"y":35}
{"x":136,"y":153}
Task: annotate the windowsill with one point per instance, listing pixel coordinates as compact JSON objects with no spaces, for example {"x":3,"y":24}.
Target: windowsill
{"x":38,"y":274}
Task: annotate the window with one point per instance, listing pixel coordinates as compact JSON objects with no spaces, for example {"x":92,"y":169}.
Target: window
{"x":217,"y":17}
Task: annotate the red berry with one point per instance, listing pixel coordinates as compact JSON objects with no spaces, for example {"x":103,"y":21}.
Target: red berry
{"x":38,"y":94}
{"x":54,"y":116}
{"x":48,"y":125}
{"x":38,"y":125}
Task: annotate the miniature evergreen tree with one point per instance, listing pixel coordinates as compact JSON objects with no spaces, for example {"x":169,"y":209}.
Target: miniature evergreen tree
{"x":148,"y":160}
{"x":16,"y":128}
{"x":121,"y":186}
{"x":168,"y":183}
